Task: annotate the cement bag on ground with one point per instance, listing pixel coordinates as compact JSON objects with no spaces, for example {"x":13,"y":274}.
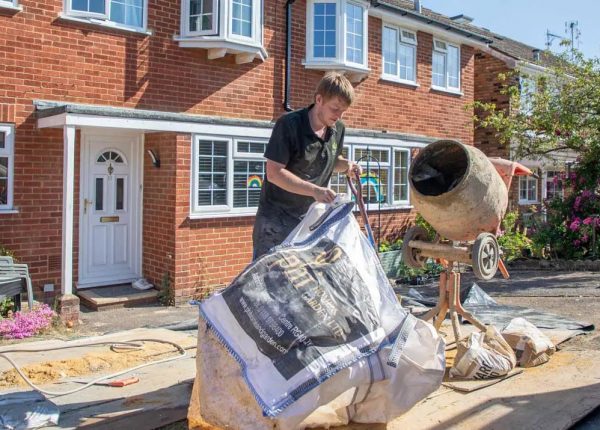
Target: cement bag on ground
{"x":532,"y":347}
{"x":482,"y":356}
{"x":317,"y":309}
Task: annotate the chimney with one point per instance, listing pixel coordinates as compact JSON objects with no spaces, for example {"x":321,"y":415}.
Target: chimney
{"x":536,"y":54}
{"x":418,"y":5}
{"x":462,"y":19}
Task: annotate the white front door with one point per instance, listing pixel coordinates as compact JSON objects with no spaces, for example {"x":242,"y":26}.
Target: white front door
{"x":110,"y":244}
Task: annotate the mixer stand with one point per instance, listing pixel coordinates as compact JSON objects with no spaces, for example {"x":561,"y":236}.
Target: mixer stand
{"x":449,"y":302}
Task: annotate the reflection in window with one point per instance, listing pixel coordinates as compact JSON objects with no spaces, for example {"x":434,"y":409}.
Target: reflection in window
{"x":120,"y":194}
{"x":99,"y":194}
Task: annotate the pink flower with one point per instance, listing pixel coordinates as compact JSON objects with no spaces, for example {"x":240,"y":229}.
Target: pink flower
{"x":586,"y":194}
{"x":577,"y":242}
{"x":585,"y":238}
{"x":575,"y":224}
{"x":588,"y":221}
{"x":577,"y":203}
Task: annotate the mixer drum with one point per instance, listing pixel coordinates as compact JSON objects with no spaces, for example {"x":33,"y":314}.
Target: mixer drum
{"x":457,"y":190}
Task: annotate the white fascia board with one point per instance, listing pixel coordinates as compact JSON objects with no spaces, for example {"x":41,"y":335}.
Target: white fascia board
{"x":149,"y":125}
{"x":414,"y":25}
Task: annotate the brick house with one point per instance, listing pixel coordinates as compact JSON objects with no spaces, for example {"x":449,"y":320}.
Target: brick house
{"x":132,"y":132}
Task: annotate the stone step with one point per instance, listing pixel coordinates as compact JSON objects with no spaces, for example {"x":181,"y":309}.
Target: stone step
{"x":116,"y":296}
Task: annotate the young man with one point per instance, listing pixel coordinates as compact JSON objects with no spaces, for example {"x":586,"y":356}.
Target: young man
{"x":304,"y":150}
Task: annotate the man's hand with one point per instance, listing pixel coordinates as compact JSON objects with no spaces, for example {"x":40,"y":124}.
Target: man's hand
{"x":323,"y":195}
{"x":354,"y":169}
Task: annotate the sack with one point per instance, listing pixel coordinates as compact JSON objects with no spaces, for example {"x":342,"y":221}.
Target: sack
{"x":221,"y":399}
{"x":532,"y":347}
{"x":314,"y":321}
{"x":483,"y":356}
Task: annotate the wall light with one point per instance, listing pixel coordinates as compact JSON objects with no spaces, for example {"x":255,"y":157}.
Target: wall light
{"x":154,"y":157}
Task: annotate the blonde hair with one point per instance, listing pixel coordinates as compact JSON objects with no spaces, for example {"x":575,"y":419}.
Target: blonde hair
{"x":335,"y":84}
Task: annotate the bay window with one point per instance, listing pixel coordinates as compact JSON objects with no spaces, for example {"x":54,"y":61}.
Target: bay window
{"x":336,"y":36}
{"x":399,"y":53}
{"x":445,"y":66}
{"x":223,"y":27}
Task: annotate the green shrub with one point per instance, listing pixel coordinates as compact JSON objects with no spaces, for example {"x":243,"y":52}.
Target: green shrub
{"x":513,"y":242}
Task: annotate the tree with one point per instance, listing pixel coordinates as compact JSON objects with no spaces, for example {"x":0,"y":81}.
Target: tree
{"x":557,"y":112}
{"x":553,"y":112}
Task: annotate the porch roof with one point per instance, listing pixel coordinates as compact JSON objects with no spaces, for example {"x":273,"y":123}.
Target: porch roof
{"x":55,"y":114}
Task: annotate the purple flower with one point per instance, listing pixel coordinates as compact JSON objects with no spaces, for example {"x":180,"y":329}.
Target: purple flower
{"x":587,"y":194}
{"x":576,"y":242}
{"x":577,"y":203}
{"x":26,"y":324}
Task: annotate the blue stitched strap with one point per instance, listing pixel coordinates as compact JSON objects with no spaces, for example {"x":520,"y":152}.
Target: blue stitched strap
{"x":407,"y":326}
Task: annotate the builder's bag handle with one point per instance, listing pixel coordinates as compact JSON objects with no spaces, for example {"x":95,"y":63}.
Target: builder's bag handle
{"x":357,"y":192}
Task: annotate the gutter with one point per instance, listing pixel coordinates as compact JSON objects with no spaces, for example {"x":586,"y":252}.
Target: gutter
{"x":288,"y":54}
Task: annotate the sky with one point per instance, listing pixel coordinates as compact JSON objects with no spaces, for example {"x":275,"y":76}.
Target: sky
{"x":528,"y":20}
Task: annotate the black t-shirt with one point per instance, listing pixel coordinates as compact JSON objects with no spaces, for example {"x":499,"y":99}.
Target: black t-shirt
{"x":294,"y":143}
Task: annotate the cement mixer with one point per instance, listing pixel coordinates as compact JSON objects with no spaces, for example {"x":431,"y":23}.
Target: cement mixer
{"x":464,"y":196}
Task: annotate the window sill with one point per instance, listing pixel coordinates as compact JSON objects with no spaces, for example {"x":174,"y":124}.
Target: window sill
{"x":9,"y":211}
{"x":389,"y":78}
{"x":209,"y":215}
{"x":103,"y":24}
{"x":373,"y":207}
{"x":218,"y":47}
{"x":355,"y":73}
{"x":10,"y":8}
{"x":528,"y":203}
{"x":447,"y":91}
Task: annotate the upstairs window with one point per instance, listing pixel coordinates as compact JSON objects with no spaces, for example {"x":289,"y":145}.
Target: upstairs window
{"x":11,"y":4}
{"x":336,"y":35}
{"x":399,"y":52}
{"x":445,"y":67}
{"x":527,"y":89}
{"x":223,"y":27}
{"x":7,"y":143}
{"x":126,"y":13}
{"x":324,"y":33}
{"x":202,"y":16}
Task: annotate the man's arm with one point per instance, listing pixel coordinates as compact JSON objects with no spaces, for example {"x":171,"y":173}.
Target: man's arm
{"x":343,"y":165}
{"x":283,"y":178}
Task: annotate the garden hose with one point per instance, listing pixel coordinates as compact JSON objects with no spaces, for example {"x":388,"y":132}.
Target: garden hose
{"x":129,"y":344}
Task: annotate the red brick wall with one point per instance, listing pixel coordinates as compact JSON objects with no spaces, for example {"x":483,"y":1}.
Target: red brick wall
{"x":46,"y":58}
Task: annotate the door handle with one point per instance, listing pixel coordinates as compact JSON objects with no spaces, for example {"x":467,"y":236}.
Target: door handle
{"x":86,"y":202}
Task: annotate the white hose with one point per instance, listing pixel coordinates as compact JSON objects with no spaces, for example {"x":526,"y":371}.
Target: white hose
{"x":128,"y":344}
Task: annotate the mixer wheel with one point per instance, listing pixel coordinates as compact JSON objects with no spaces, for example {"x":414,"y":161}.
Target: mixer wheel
{"x":486,"y":255}
{"x":411,"y":256}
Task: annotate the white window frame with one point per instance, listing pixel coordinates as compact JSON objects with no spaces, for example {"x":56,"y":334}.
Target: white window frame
{"x":524,"y":182}
{"x":233,"y":154}
{"x":545,"y":184}
{"x":10,"y":4}
{"x":444,"y":51}
{"x":389,"y":166}
{"x":400,"y":41}
{"x":340,"y":61}
{"x":9,"y":152}
{"x":527,"y":88}
{"x":185,"y":18}
{"x":406,"y":201}
{"x":104,"y":18}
